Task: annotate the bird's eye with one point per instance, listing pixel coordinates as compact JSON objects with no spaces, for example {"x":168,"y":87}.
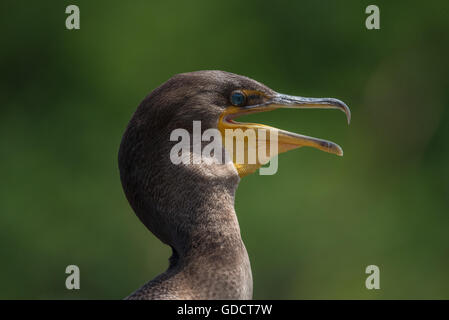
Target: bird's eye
{"x":238,"y":98}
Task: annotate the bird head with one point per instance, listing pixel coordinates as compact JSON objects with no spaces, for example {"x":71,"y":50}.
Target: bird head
{"x":157,"y":189}
{"x":217,"y":99}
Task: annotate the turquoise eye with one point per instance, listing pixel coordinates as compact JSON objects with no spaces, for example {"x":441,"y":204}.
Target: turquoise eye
{"x":238,"y":98}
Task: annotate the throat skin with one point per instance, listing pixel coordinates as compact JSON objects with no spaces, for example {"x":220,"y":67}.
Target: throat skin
{"x":209,"y":258}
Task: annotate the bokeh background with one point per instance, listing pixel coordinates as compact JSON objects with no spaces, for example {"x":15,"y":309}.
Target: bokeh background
{"x":311,"y":229}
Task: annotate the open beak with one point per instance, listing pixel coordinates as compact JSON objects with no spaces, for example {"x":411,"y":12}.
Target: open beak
{"x":285,"y":140}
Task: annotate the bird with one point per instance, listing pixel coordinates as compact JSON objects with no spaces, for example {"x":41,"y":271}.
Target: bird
{"x":189,"y":206}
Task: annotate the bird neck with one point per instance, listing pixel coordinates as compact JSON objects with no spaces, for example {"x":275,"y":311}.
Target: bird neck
{"x":211,"y":260}
{"x":190,"y":208}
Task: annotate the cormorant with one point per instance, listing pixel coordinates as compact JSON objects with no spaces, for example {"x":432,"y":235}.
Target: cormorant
{"x":190,"y":206}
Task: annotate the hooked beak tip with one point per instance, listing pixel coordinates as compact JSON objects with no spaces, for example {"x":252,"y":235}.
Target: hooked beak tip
{"x":343,"y":107}
{"x":347,"y":111}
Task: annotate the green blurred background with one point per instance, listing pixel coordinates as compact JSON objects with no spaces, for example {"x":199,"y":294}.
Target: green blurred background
{"x":311,"y":229}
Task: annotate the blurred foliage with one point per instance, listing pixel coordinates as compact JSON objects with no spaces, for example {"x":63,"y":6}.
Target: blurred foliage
{"x":311,"y":229}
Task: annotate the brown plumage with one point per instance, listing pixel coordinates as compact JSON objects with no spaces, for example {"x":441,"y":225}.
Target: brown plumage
{"x":189,"y":207}
{"x":181,"y":204}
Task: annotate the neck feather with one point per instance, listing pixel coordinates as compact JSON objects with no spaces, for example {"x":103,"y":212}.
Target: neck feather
{"x":209,"y":258}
